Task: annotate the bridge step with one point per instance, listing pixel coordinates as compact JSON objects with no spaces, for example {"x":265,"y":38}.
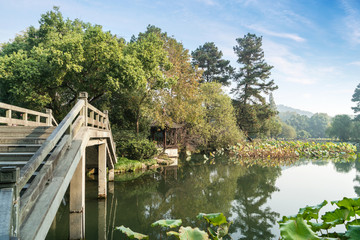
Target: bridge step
{"x":19,"y":147}
{"x":20,"y":156}
{"x":19,"y":140}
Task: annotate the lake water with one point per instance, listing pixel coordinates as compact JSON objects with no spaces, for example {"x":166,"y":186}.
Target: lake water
{"x":253,"y":198}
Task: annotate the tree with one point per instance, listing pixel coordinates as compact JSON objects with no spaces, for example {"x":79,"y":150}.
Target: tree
{"x":318,"y":123}
{"x":49,"y":66}
{"x":299,"y":122}
{"x":287,"y":131}
{"x":341,"y":127}
{"x":144,"y":65}
{"x":220,"y":127}
{"x":209,"y":58}
{"x":252,"y":84}
{"x":356,"y":99}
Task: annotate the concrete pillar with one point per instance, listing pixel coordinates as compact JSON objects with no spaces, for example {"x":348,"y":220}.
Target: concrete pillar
{"x":102,"y":219}
{"x":102,"y":183}
{"x":111,"y":175}
{"x":77,"y":202}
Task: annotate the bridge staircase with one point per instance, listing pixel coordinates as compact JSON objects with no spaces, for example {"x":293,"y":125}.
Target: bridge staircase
{"x":40,"y":160}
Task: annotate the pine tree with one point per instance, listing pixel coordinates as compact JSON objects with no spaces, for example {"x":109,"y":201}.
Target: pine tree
{"x":252,"y":85}
{"x":209,"y":59}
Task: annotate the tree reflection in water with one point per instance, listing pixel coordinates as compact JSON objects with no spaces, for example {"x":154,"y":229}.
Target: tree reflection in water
{"x":251,"y":219}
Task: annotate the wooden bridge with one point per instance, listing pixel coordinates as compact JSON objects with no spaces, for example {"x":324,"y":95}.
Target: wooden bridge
{"x":39,"y":160}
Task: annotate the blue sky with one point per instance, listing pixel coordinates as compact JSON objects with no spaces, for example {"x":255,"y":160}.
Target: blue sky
{"x":314,"y":46}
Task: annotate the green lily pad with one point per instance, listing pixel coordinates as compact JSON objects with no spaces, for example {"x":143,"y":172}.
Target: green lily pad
{"x":171,"y":223}
{"x":131,"y":234}
{"x":189,"y":233}
{"x":215,"y":219}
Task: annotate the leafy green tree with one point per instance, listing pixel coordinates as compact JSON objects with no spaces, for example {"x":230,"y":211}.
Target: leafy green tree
{"x":355,"y":132}
{"x":216,"y":69}
{"x":287,"y":131}
{"x":302,"y":134}
{"x":252,"y":84}
{"x":341,"y":126}
{"x":356,"y":99}
{"x":318,"y":123}
{"x":49,"y":66}
{"x":299,"y":122}
{"x":144,"y":65}
{"x":220,"y":127}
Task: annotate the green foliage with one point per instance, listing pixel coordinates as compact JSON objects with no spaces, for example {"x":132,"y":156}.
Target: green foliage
{"x":340,"y":127}
{"x":49,"y":66}
{"x":188,"y":233}
{"x":287,"y":131}
{"x":216,"y":69}
{"x":138,"y":148}
{"x":131,"y":234}
{"x":219,"y":127}
{"x":252,"y":84}
{"x":306,"y":225}
{"x":273,"y":153}
{"x":168,"y":223}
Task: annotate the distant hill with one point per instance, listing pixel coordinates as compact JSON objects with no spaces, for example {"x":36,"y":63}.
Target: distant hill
{"x":282,"y":108}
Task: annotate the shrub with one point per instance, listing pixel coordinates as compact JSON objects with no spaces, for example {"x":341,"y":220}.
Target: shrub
{"x":138,"y":148}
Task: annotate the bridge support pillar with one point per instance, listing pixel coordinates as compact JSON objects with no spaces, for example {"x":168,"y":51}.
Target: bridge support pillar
{"x":77,"y":201}
{"x":102,"y":181}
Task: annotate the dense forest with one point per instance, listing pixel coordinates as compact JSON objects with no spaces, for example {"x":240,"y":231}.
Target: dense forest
{"x":152,"y":80}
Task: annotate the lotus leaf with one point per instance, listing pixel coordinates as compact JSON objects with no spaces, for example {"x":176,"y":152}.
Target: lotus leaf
{"x":297,"y":229}
{"x":167,"y":223}
{"x":131,"y":234}
{"x":173,"y":233}
{"x":352,"y":204}
{"x":337,"y":216}
{"x":215,"y":219}
{"x":189,"y":233}
{"x":311,"y":212}
{"x":353,"y":233}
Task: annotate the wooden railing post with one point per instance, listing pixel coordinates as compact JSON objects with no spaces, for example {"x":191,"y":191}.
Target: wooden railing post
{"x":84,"y":111}
{"x":49,"y":118}
{"x":8,"y":115}
{"x":9,"y":202}
{"x":106,"y":122}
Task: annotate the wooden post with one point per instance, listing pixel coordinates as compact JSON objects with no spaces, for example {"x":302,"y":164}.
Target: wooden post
{"x":77,"y":201}
{"x":9,"y":202}
{"x":84,"y":112}
{"x":9,"y":116}
{"x":102,"y":184}
{"x":49,"y":118}
{"x":106,"y":120}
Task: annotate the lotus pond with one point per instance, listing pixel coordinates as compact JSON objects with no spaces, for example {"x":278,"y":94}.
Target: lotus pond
{"x":254,"y":198}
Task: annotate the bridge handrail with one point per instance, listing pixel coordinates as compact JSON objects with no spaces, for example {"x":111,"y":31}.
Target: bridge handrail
{"x":97,"y":119}
{"x":26,"y":121}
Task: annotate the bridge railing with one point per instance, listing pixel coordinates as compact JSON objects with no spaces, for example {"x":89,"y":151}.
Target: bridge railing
{"x":82,"y":114}
{"x":21,"y":116}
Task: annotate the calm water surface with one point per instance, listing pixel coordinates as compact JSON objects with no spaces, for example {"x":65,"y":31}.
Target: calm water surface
{"x":253,"y":198}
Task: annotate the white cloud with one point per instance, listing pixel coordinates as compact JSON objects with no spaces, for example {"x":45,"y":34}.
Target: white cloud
{"x":209,"y":2}
{"x":352,"y":22}
{"x":356,"y":63}
{"x":290,"y":36}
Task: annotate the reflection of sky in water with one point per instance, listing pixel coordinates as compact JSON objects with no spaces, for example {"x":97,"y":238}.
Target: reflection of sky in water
{"x":310,"y":185}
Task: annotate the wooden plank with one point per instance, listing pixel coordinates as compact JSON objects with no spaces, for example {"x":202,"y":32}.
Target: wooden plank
{"x":39,"y":221}
{"x":38,"y":184}
{"x":6,"y":209}
{"x":49,"y":144}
